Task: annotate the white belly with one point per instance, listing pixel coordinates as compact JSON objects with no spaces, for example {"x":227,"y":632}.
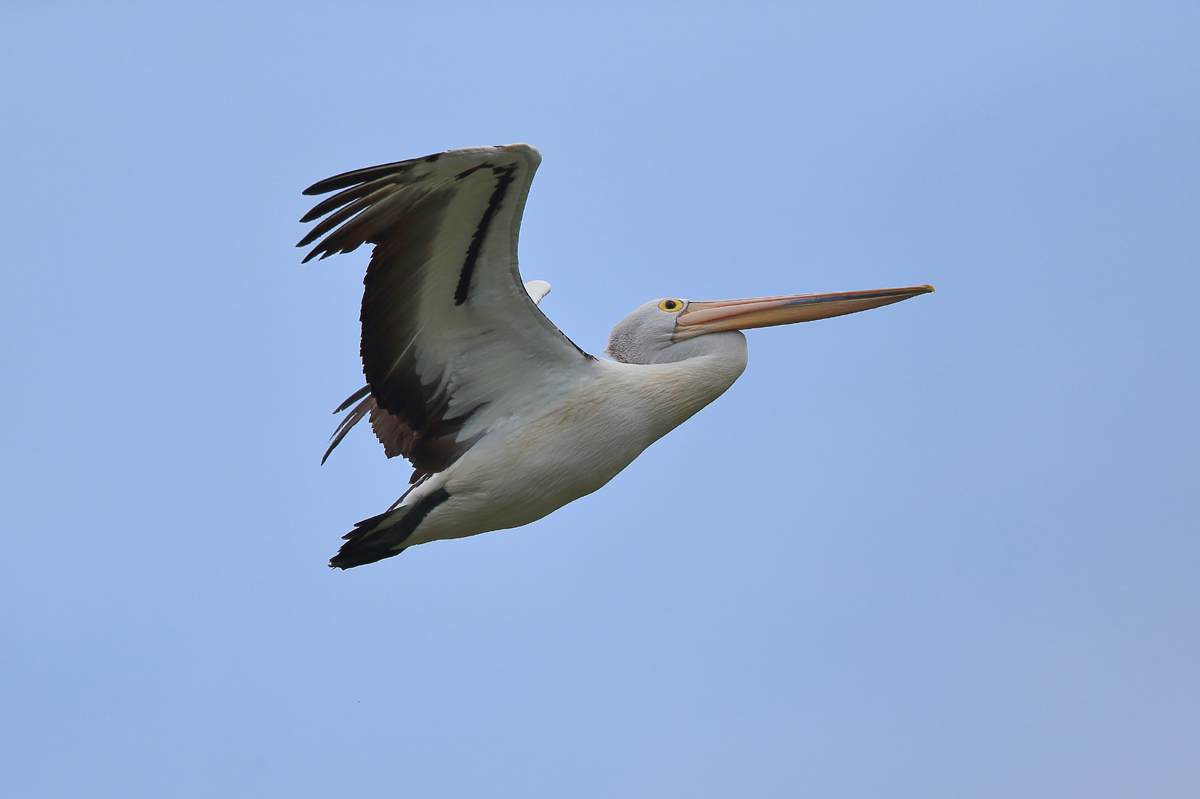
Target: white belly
{"x":519,"y":472}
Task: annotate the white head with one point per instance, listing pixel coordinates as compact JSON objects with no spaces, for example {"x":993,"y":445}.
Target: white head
{"x":648,"y":335}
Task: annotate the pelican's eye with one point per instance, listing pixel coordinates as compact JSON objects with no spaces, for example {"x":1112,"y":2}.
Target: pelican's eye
{"x":671,"y":305}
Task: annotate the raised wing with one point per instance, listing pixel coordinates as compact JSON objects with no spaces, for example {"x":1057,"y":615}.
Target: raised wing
{"x":451,"y":340}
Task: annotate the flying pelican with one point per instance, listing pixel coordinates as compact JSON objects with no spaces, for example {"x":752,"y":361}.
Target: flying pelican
{"x":503,"y":417}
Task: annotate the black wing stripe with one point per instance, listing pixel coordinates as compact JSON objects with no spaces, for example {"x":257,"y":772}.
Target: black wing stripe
{"x":472,"y":170}
{"x":504,"y":180}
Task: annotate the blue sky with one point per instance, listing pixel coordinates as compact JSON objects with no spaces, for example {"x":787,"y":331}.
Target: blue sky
{"x":946,"y":548}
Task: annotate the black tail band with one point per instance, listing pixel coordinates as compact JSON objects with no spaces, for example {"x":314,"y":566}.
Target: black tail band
{"x":369,"y":542}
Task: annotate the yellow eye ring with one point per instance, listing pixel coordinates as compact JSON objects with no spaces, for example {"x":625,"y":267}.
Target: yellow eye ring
{"x":671,"y":306}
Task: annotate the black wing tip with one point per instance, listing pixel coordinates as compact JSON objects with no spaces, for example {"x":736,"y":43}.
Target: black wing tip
{"x":356,"y":176}
{"x":358,"y":182}
{"x":308,"y":239}
{"x":320,"y":253}
{"x":366,"y":405}
{"x":334,"y":183}
{"x":311,"y":216}
{"x":346,"y":179}
{"x":353,"y":398}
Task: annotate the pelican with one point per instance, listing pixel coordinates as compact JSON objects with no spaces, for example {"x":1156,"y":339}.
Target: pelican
{"x":503,"y":417}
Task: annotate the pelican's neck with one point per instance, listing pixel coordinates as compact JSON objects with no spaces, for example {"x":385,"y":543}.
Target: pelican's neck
{"x":666,"y":394}
{"x":718,"y":360}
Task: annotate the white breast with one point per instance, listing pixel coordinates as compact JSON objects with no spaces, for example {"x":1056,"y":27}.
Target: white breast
{"x":527,"y":468}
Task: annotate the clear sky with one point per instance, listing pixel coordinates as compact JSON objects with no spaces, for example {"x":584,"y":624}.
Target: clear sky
{"x":947,"y":548}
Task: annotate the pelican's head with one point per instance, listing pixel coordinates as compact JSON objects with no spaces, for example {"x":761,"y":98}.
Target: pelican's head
{"x":671,"y":329}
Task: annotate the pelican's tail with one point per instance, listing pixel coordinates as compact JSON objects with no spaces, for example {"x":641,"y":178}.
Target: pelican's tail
{"x":383,"y":536}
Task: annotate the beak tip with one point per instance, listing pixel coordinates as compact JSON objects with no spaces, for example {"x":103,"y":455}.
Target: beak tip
{"x":928,"y":288}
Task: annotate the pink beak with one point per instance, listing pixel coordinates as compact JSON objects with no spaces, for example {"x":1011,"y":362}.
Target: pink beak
{"x":711,"y":317}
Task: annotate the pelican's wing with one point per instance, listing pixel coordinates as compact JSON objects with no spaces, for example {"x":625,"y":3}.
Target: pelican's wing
{"x":451,"y":340}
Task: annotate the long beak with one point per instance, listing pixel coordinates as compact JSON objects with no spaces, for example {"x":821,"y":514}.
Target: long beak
{"x":710,"y":317}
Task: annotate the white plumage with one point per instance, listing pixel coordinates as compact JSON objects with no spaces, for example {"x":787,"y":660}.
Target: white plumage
{"x":503,"y":417}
